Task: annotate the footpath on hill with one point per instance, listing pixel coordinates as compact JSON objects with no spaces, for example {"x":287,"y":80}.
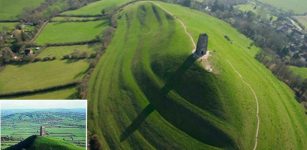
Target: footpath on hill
{"x":235,"y":70}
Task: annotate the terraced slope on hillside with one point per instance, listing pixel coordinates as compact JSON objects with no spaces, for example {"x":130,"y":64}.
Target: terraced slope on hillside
{"x":149,"y":92}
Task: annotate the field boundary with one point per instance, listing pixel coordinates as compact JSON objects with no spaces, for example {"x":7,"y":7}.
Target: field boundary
{"x":37,"y":91}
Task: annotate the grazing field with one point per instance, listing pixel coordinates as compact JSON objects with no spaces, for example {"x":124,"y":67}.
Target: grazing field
{"x":65,"y":124}
{"x":40,"y":75}
{"x":69,"y":93}
{"x":297,"y":6}
{"x":258,"y":10}
{"x":11,"y":9}
{"x":302,"y":20}
{"x":58,"y":32}
{"x":96,"y":8}
{"x":301,"y":71}
{"x":147,"y":91}
{"x":10,"y":26}
{"x":60,"y":51}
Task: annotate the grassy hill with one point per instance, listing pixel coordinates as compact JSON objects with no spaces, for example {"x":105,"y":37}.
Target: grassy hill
{"x":297,"y":6}
{"x":44,"y":143}
{"x":148,"y":92}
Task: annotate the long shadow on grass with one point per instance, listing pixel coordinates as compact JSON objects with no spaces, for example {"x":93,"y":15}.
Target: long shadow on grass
{"x":150,"y":107}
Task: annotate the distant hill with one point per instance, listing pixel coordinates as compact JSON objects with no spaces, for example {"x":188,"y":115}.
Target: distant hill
{"x":43,"y":143}
{"x":6,"y":112}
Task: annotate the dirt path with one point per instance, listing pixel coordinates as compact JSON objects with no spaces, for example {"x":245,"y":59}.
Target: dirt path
{"x":39,"y":31}
{"x":206,"y":57}
{"x":256,"y":99}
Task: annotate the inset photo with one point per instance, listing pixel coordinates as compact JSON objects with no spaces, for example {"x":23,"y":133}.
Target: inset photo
{"x":43,"y":124}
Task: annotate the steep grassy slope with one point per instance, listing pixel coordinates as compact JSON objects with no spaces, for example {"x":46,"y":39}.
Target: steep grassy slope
{"x":40,"y":75}
{"x":297,"y":6}
{"x":148,"y":92}
{"x":44,"y":143}
{"x":97,"y":7}
{"x":11,"y":9}
{"x":71,"y":32}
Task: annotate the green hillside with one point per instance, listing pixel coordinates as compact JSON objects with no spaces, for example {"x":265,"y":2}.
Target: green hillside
{"x":297,"y":6}
{"x":147,"y":91}
{"x":44,"y":143}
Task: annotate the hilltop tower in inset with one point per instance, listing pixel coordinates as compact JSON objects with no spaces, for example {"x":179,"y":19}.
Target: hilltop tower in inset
{"x":42,"y":131}
{"x":202,"y":45}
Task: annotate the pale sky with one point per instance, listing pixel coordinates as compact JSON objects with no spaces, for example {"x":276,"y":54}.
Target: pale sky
{"x":42,"y":104}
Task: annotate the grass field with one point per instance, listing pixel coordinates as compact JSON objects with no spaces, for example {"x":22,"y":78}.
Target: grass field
{"x":69,"y":93}
{"x":147,"y":91}
{"x":301,"y":71}
{"x":60,"y":51}
{"x":40,"y":75}
{"x":96,"y":7}
{"x":9,"y":26}
{"x":11,"y":9}
{"x":258,"y":10}
{"x":71,"y":32}
{"x":297,"y":6}
{"x":302,"y":20}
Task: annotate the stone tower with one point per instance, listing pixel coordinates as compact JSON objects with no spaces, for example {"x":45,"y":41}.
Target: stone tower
{"x":42,"y":131}
{"x":202,"y":45}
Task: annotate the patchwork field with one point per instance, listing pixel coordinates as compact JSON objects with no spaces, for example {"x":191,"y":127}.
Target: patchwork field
{"x":40,"y":75}
{"x":147,"y":91}
{"x":11,"y":9}
{"x":97,"y":7}
{"x":297,"y":6}
{"x":60,"y":51}
{"x":58,"y":32}
{"x":301,"y":71}
{"x":264,"y":13}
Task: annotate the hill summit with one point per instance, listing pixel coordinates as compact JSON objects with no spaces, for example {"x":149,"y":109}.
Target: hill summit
{"x":35,"y":142}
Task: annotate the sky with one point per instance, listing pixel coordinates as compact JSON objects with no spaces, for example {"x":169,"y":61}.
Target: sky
{"x":42,"y":104}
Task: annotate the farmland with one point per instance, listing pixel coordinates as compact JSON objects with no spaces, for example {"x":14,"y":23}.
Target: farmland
{"x":302,"y":20}
{"x":60,"y":51}
{"x":40,"y":75}
{"x":155,"y":84}
{"x":301,"y":71}
{"x":96,"y":7}
{"x":297,"y":6}
{"x":58,"y":32}
{"x":67,"y":125}
{"x":10,"y":26}
{"x":11,"y":9}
